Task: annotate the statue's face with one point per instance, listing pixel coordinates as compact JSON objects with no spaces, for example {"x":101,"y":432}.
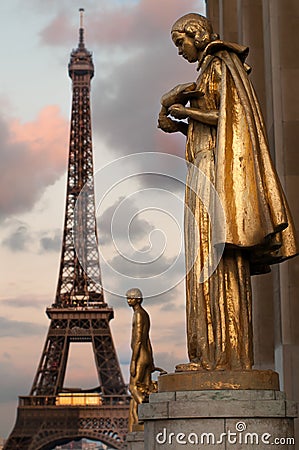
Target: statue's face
{"x":185,"y":45}
{"x":133,"y":301}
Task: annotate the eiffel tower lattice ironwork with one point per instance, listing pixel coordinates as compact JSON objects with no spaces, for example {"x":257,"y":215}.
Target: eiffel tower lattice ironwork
{"x":52,"y":414}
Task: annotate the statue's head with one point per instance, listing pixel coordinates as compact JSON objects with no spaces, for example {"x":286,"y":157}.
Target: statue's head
{"x":191,"y":34}
{"x":134,"y":296}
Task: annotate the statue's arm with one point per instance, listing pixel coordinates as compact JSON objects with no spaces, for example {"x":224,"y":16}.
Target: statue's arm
{"x":136,"y":344}
{"x":178,"y":110}
{"x":208,"y":117}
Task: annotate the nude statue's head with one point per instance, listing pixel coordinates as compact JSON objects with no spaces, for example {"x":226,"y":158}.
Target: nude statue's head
{"x":191,"y":34}
{"x":134,"y":296}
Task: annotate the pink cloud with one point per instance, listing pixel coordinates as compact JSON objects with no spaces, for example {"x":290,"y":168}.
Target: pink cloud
{"x":163,"y":16}
{"x":58,"y":31}
{"x":33,"y":156}
{"x":120,"y":25}
{"x":147,"y":20}
{"x":45,"y":135}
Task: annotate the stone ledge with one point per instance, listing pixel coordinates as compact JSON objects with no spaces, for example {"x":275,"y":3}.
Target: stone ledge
{"x":163,"y":397}
{"x":236,"y":408}
{"x":155,"y":410}
{"x":227,"y":394}
{"x":217,"y":404}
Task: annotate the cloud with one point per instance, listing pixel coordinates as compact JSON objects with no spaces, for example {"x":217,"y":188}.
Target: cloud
{"x":32,"y":301}
{"x":152,"y":256}
{"x":147,"y":255}
{"x":167,"y":361}
{"x":59,"y":30}
{"x":33,"y":156}
{"x":171,"y":306}
{"x":160,"y":282}
{"x":126,"y":104}
{"x":14,"y":381}
{"x":51,"y":242}
{"x":128,"y":265}
{"x":15,"y":328}
{"x":21,"y":238}
{"x":122,"y":222}
{"x":127,"y":89}
{"x":18,"y":240}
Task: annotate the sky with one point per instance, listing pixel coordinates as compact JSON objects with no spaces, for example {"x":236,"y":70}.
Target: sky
{"x":139,"y":208}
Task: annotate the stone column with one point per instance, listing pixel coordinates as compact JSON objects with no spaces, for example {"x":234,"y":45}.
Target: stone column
{"x":269,"y":28}
{"x":281,"y":23}
{"x":251,"y":33}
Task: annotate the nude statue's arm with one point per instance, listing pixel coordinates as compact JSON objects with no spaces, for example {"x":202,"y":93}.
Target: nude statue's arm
{"x":137,"y":344}
{"x":207,"y":117}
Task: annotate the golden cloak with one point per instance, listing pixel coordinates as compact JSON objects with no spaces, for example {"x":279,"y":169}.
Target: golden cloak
{"x":256,"y":210}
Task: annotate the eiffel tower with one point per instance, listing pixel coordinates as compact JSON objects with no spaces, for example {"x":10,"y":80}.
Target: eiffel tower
{"x":53,"y":415}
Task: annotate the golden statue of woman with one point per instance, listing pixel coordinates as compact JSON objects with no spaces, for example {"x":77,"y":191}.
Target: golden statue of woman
{"x":226,"y":141}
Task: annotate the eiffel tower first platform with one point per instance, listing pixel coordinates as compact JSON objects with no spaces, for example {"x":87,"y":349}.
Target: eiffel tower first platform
{"x":52,"y":415}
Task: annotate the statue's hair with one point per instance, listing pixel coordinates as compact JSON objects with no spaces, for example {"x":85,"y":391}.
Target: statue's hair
{"x":193,"y":24}
{"x":134,"y":293}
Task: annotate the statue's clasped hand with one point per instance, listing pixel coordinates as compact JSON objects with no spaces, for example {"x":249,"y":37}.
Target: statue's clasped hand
{"x":166,"y":123}
{"x":178,"y":111}
{"x":173,"y":103}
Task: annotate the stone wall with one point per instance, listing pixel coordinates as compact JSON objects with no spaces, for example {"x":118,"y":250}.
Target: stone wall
{"x":269,"y":28}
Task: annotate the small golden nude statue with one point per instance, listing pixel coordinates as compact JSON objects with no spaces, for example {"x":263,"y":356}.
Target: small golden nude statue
{"x":227,"y":144}
{"x":142,"y":362}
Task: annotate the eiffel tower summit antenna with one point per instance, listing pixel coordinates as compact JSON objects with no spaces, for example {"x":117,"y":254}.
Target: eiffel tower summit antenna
{"x":81,"y":29}
{"x":81,"y":11}
{"x":52,"y":414}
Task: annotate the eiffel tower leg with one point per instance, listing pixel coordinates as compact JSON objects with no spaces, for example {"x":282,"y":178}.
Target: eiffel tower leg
{"x":51,"y":370}
{"x":16,"y":442}
{"x":107,"y":362}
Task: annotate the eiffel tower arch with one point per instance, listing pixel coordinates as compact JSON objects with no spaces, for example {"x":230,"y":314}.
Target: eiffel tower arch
{"x":51,"y":414}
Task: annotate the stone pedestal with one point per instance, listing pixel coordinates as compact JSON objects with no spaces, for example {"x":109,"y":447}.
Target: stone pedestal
{"x":226,"y":419}
{"x":135,"y":440}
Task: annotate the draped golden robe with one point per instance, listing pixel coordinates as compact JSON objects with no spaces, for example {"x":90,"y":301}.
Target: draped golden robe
{"x":234,"y":156}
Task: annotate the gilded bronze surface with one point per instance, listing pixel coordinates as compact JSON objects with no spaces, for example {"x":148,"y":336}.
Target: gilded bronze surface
{"x":226,"y":140}
{"x":196,"y":380}
{"x":142,"y":361}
